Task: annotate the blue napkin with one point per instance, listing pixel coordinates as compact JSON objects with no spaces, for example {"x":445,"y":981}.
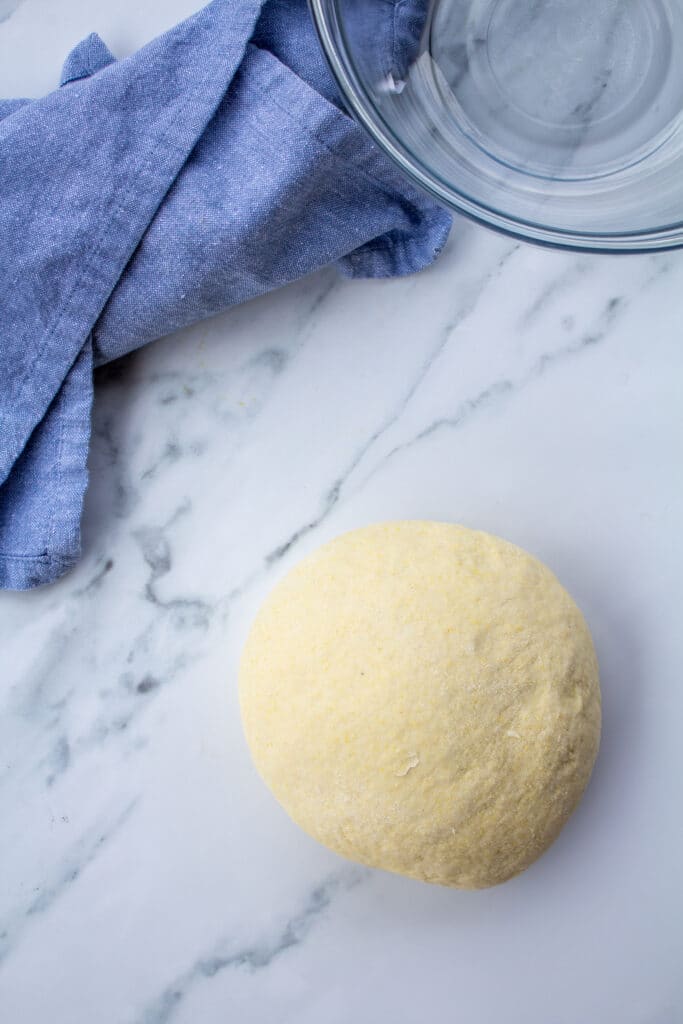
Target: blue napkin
{"x":211,"y":166}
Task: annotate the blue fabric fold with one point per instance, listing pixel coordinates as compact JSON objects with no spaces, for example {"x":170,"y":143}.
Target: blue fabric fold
{"x":144,"y":194}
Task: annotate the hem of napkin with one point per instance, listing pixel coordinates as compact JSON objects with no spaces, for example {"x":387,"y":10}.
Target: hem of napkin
{"x":24,"y":572}
{"x":54,"y":464}
{"x":403,"y":251}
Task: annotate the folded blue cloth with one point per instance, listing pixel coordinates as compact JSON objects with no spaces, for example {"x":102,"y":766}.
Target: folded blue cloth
{"x":213,"y":165}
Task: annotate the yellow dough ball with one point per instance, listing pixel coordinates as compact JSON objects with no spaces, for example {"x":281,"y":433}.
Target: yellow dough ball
{"x":424,"y":698}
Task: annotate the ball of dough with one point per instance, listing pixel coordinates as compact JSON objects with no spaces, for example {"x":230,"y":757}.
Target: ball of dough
{"x":424,"y":698}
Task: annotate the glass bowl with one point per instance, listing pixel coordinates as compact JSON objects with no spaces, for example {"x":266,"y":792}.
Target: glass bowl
{"x":556,"y":121}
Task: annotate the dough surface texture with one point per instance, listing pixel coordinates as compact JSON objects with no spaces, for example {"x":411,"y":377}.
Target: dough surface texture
{"x":423,"y":698}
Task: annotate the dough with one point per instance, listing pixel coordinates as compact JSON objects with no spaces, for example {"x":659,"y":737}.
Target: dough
{"x":424,"y":698}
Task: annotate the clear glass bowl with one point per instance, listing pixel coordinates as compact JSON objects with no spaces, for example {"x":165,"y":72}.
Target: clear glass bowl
{"x":557,"y":121}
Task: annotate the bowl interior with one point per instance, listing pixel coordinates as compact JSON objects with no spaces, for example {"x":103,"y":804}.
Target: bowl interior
{"x":556,"y":120}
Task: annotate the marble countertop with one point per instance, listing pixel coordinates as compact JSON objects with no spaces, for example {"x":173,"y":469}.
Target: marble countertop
{"x":146,"y":875}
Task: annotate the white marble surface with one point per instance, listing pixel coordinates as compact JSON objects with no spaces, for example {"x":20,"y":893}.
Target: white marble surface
{"x":146,"y":875}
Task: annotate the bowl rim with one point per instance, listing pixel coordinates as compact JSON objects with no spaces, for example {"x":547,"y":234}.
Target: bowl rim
{"x":364,"y":110}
